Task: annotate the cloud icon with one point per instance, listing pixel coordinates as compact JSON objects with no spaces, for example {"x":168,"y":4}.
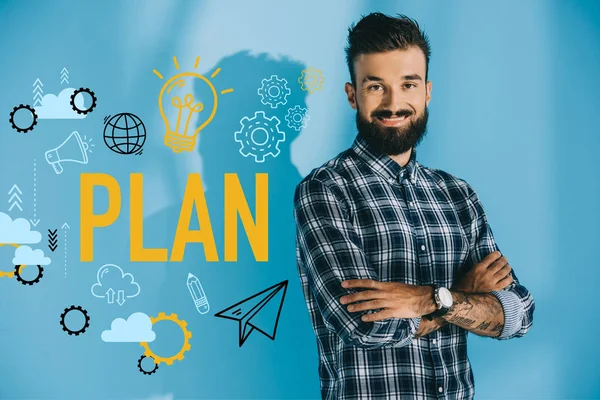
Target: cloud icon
{"x":137,"y":328}
{"x":59,"y":107}
{"x":17,"y":231}
{"x":25,"y":255}
{"x":112,"y":279}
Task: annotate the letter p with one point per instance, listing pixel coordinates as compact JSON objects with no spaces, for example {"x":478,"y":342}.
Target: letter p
{"x":89,"y":220}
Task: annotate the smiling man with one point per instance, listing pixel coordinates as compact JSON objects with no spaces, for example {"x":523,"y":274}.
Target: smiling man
{"x":397,"y":260}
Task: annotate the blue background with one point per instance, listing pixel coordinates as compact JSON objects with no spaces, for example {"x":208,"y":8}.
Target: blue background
{"x":515,"y":94}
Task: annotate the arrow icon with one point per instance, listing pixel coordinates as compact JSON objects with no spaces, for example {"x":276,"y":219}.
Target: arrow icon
{"x":37,"y":89}
{"x":65,"y":227}
{"x":121,"y":297}
{"x":52,"y":239}
{"x":64,"y":74}
{"x":34,"y":221}
{"x":15,"y":191}
{"x":110,"y":296}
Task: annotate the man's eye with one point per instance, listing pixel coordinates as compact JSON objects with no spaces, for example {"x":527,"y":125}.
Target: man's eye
{"x":410,"y":85}
{"x":375,"y":87}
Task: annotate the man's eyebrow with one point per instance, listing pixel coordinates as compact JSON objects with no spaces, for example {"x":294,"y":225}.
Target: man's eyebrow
{"x":413,"y":77}
{"x":372,"y":78}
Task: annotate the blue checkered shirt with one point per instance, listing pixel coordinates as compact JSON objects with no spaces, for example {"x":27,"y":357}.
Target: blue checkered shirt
{"x":363,"y":216}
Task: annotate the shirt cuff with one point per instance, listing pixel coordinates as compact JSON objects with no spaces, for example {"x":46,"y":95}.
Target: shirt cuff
{"x":513,"y":312}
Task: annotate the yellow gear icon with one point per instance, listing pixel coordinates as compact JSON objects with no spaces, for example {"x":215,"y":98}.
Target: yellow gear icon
{"x":186,"y":341}
{"x":9,"y":274}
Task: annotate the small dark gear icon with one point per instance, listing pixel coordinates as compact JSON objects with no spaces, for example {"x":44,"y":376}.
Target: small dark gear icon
{"x":33,"y":115}
{"x":39,"y":276}
{"x":142,"y":370}
{"x":91,"y":107}
{"x":64,"y":315}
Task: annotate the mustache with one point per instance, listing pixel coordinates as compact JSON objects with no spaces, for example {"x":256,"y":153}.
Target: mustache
{"x":389,"y":114}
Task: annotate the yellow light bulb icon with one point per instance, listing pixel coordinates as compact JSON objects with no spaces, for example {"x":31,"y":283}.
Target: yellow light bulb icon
{"x":180,"y":136}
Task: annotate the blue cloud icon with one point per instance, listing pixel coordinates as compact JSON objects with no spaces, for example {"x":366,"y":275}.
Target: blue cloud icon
{"x":59,"y":107}
{"x":25,"y":255}
{"x":137,"y":328}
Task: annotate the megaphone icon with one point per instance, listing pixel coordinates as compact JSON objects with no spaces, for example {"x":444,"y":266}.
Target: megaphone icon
{"x":73,"y":149}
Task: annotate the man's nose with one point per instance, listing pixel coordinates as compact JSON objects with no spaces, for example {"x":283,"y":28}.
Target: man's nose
{"x":394,"y":100}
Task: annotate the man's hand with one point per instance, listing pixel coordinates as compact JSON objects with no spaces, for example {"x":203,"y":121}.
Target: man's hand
{"x":395,"y":299}
{"x":492,"y":273}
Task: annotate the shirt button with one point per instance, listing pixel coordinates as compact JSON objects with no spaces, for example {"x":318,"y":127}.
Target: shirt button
{"x":440,"y":389}
{"x":423,"y":247}
{"x":391,"y":180}
{"x":434,"y":341}
{"x":410,"y":203}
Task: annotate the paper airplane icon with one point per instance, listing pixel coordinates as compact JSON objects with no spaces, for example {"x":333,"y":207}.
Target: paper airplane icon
{"x":260,"y":311}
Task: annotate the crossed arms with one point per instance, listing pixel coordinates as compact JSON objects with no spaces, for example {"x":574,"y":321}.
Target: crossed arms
{"x":488,"y":300}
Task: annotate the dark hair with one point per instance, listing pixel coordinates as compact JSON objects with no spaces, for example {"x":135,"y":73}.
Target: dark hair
{"x":378,"y":33}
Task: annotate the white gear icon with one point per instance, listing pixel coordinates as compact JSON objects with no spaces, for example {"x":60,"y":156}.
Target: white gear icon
{"x":297,"y":118}
{"x":274,"y":91}
{"x":257,"y":125}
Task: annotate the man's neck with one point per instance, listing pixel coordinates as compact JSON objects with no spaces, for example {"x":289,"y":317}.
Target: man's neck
{"x":402,"y":159}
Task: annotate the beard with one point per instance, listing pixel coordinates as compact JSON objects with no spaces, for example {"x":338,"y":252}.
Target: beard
{"x":390,"y":140}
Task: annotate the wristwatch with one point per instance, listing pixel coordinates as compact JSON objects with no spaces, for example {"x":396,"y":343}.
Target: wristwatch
{"x":443,"y":300}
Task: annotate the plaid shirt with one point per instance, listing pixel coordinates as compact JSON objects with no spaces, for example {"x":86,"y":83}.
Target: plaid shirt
{"x":363,"y":216}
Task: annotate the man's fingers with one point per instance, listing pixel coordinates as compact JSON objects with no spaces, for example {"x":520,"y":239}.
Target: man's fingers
{"x":362,"y":296}
{"x":378,"y":316}
{"x":498,"y":264}
{"x":490,"y":258}
{"x":504,"y":282}
{"x":368,"y":305}
{"x":504,"y":271}
{"x":362,"y":283}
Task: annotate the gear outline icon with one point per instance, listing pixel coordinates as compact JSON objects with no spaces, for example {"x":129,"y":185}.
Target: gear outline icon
{"x":311,"y":80}
{"x":291,"y":117}
{"x":23,"y":107}
{"x":280,"y":85}
{"x":260,"y":122}
{"x":142,"y":370}
{"x":92,"y":106}
{"x":71,"y":309}
{"x":186,"y":341}
{"x":17,"y":274}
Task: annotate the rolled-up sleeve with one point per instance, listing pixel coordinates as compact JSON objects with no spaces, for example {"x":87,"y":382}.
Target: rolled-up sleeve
{"x":330,"y":252}
{"x":517,"y":302}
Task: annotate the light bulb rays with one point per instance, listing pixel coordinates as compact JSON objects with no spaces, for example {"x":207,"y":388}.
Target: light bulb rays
{"x":175,"y":138}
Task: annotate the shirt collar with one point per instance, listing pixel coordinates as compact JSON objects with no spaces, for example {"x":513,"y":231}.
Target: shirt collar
{"x":384,"y":165}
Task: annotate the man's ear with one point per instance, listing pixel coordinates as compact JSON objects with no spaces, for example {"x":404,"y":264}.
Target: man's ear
{"x":428,"y":97}
{"x":351,"y":93}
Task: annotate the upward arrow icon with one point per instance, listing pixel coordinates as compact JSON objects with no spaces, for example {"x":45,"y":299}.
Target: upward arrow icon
{"x":15,"y":188}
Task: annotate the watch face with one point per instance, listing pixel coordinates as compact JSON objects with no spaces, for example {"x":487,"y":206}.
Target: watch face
{"x":445,"y":297}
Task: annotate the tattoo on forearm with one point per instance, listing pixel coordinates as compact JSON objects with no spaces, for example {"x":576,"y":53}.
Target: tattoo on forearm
{"x":498,"y":328}
{"x":464,"y":322}
{"x":479,"y":313}
{"x":483,"y":326}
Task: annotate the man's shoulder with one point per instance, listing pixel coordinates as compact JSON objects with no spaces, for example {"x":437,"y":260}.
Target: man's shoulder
{"x":331,"y":174}
{"x":452,"y":184}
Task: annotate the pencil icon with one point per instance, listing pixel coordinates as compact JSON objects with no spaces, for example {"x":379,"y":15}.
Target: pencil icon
{"x":195,"y":288}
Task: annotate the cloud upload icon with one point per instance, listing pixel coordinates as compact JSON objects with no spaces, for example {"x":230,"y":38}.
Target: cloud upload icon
{"x":113,"y":281}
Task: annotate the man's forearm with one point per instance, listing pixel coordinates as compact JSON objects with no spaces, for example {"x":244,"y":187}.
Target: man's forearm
{"x":426,"y":327}
{"x":479,"y":313}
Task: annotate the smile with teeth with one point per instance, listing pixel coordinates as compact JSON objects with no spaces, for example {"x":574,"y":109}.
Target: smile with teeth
{"x":393,"y":120}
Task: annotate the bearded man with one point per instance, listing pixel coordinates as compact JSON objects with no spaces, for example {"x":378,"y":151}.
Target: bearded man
{"x":397,"y":260}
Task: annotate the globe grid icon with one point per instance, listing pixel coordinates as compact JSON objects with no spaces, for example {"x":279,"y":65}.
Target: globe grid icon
{"x":125,"y":133}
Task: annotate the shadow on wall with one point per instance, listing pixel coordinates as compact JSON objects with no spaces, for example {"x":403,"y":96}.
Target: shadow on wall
{"x":262,"y":368}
